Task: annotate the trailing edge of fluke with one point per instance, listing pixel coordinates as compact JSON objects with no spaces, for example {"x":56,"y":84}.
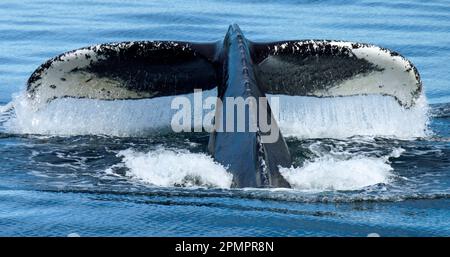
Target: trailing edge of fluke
{"x":238,"y":68}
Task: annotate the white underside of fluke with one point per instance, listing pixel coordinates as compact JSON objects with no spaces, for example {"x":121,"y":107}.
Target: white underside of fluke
{"x":395,"y":79}
{"x":394,"y":75}
{"x":65,"y":77}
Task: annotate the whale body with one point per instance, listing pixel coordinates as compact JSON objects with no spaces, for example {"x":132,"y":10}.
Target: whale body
{"x":237,"y":67}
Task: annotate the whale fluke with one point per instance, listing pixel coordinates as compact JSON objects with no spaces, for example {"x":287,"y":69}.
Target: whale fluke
{"x":128,"y":70}
{"x":238,"y":68}
{"x":326,"y":68}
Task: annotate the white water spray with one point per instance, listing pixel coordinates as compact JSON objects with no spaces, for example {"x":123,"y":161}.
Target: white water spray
{"x":341,"y":172}
{"x":165,"y":167}
{"x":341,"y":117}
{"x":303,"y":117}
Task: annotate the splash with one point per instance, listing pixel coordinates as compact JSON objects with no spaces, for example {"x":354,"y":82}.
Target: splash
{"x":341,"y":117}
{"x":167,"y":168}
{"x":297,"y":116}
{"x":70,"y":116}
{"x":333,"y":171}
{"x":330,"y":174}
{"x":5,"y":114}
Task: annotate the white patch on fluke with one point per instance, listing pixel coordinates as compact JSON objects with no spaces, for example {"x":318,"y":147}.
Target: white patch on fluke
{"x":169,"y":168}
{"x":65,"y":77}
{"x":397,"y":76}
{"x":394,"y":76}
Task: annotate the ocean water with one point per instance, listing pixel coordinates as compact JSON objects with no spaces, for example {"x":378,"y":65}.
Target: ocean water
{"x":362,"y":164}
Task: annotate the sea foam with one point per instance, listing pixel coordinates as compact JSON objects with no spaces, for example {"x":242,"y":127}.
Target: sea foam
{"x":169,"y":167}
{"x":330,"y":172}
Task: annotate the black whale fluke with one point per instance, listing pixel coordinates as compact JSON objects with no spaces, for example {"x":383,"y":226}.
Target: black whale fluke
{"x":238,"y":68}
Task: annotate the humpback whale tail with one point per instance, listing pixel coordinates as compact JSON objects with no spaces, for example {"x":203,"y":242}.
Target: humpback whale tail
{"x":238,"y":68}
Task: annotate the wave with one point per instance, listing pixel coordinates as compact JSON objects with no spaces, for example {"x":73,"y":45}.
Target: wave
{"x":330,"y":172}
{"x":168,"y":168}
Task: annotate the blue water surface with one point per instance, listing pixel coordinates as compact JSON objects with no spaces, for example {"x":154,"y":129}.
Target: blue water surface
{"x":54,"y":186}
